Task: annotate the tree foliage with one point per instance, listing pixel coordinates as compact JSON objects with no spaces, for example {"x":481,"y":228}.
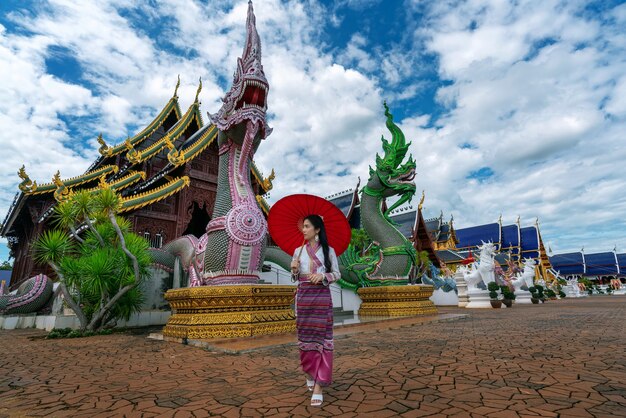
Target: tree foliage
{"x":98,"y":260}
{"x":5,"y":265}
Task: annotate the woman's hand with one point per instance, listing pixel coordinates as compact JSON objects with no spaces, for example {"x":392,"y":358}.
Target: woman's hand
{"x":295,"y":266}
{"x":316,"y":278}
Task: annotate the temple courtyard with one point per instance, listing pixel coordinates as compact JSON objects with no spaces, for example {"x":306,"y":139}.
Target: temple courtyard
{"x":562,"y":358}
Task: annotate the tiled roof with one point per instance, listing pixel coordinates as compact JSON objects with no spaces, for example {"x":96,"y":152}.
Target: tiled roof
{"x":476,"y":235}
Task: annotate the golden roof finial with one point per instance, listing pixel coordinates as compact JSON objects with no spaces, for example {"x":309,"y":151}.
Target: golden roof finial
{"x":177,"y":86}
{"x":56,"y":179}
{"x":128,"y":144}
{"x":22,"y":173}
{"x":103,"y":183}
{"x":198,"y":91}
{"x":421,"y":204}
{"x":267,"y":182}
{"x":104,"y":148}
{"x":26,"y":185}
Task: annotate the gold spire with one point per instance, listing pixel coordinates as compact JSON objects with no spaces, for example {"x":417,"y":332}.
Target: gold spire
{"x":177,"y":86}
{"x":421,"y":204}
{"x":198,"y":91}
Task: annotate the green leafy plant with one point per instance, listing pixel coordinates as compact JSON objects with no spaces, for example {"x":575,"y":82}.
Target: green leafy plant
{"x":507,"y":293}
{"x":100,"y":269}
{"x":493,"y":290}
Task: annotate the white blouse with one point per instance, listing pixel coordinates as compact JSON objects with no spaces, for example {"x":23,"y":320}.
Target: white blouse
{"x":305,"y":264}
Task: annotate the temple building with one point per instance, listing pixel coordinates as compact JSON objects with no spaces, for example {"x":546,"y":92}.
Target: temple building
{"x":165,"y":175}
{"x":599,"y":267}
{"x":513,"y":241}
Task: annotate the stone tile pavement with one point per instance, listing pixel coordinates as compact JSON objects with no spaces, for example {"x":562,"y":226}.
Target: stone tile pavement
{"x":564,"y":358}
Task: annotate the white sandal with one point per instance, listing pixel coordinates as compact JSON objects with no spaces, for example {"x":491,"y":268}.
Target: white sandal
{"x":317,"y":399}
{"x":310,"y":384}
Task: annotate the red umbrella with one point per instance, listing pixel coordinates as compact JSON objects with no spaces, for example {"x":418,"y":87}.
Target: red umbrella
{"x":287,"y":215}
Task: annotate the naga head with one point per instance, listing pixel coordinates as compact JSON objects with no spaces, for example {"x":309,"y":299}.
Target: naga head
{"x":246,"y":101}
{"x":391,"y":177}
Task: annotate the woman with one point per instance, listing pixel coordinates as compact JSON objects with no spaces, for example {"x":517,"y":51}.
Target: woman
{"x":316,"y":265}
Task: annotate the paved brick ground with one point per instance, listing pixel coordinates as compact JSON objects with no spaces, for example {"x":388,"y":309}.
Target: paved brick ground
{"x":563,"y":358}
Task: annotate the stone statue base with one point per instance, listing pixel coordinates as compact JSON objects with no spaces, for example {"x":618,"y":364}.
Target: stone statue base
{"x":394,"y":301}
{"x":523,"y":297}
{"x":461,"y":287}
{"x":230,"y":311}
{"x":478,"y":299}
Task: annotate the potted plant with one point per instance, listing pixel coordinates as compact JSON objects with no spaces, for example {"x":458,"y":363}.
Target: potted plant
{"x":540,"y":294}
{"x":533,"y":294}
{"x":551,"y":294}
{"x":493,"y":294}
{"x":507,"y":296}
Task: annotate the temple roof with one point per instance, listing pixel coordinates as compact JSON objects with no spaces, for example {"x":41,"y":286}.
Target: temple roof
{"x":511,"y":238}
{"x":621,"y":261}
{"x":569,"y":263}
{"x":530,"y":242}
{"x":449,"y":256}
{"x":405,"y":222}
{"x":476,"y":235}
{"x":599,"y":264}
{"x":171,"y":108}
{"x":192,"y":115}
{"x":154,"y":195}
{"x":71,"y":182}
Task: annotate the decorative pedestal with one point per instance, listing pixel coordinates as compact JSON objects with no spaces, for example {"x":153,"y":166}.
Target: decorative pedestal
{"x":230,"y":311}
{"x":478,"y":298}
{"x":523,"y":297}
{"x":461,"y":287}
{"x":441,"y":298}
{"x":392,"y":301}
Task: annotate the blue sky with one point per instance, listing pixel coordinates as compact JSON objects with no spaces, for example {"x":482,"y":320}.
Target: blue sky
{"x":513,"y":108}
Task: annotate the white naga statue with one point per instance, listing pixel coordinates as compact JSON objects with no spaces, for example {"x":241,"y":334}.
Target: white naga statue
{"x":526,"y":277}
{"x":482,"y":270}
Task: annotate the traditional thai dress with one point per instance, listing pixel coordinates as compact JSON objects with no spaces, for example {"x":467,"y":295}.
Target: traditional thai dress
{"x":314,"y":319}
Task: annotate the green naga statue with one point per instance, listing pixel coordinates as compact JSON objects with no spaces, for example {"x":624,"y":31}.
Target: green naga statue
{"x":393,"y":255}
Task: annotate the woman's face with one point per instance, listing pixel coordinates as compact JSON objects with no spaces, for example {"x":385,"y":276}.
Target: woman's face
{"x":308,"y":231}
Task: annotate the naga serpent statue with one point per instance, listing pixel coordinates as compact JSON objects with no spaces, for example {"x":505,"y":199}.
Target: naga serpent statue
{"x":393,"y":255}
{"x":231,"y":250}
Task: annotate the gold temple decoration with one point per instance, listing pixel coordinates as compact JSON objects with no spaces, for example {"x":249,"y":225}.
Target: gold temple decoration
{"x":102,"y":184}
{"x":421,"y":204}
{"x":267,"y":182}
{"x":27,"y":185}
{"x":198,"y":91}
{"x":394,"y":301}
{"x":177,"y":86}
{"x":62,"y":193}
{"x":229,"y":311}
{"x":132,"y":155}
{"x":104,"y":149}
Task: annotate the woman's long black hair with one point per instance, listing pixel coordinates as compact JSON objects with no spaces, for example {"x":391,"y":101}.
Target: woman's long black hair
{"x":318,"y":223}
